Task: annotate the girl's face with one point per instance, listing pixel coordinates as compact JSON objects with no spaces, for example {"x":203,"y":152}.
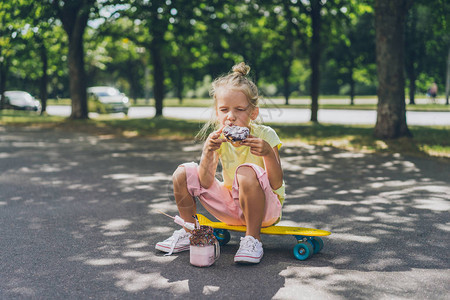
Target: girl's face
{"x":233,"y":108}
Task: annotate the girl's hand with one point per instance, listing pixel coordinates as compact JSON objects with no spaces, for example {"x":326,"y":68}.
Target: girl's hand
{"x":258,"y":147}
{"x":213,"y":142}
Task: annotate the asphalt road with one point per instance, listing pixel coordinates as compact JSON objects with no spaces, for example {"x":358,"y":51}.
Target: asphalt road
{"x":278,"y":115}
{"x":79,"y":220}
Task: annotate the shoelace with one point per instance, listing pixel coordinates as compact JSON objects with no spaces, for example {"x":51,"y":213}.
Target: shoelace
{"x":176,"y":236}
{"x":248,"y":244}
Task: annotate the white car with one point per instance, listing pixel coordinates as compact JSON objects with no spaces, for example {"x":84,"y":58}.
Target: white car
{"x":21,"y":100}
{"x":106,"y":99}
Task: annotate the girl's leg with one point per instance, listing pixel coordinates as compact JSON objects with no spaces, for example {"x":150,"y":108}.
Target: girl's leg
{"x":252,"y":200}
{"x":185,"y":202}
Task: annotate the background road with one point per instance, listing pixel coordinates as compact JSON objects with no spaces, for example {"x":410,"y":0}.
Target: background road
{"x":278,"y":115}
{"x":78,"y":219}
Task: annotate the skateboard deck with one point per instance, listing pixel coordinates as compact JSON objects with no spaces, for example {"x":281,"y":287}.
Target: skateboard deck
{"x":308,"y":239}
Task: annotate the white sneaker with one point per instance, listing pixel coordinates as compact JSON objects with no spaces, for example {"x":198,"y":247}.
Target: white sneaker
{"x":250,"y":251}
{"x":178,"y":242}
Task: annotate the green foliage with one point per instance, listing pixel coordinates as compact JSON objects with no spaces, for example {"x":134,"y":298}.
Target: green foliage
{"x":427,"y":42}
{"x":205,"y":38}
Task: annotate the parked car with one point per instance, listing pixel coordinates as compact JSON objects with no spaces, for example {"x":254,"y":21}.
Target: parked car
{"x":106,"y":99}
{"x":21,"y":100}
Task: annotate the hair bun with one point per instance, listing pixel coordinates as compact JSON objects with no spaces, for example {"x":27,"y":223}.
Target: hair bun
{"x":241,"y":69}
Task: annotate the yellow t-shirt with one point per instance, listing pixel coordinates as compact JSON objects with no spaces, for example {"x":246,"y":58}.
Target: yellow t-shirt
{"x":232,"y":157}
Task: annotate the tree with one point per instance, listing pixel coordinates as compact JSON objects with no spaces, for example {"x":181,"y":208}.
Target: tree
{"x":186,"y":41}
{"x":74,"y":15}
{"x":315,"y":57}
{"x":116,"y":54}
{"x":321,"y":13}
{"x":414,"y":51}
{"x":9,"y":33}
{"x":389,"y":25}
{"x":447,"y":81}
{"x":282,"y":35}
{"x":350,"y":53}
{"x":426,"y":44}
{"x":154,"y":16}
{"x":44,"y":35}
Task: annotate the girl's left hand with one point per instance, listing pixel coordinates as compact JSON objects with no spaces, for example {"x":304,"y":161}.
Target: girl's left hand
{"x":258,"y":147}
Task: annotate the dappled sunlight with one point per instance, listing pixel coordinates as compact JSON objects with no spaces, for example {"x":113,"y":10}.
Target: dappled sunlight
{"x":92,"y":205}
{"x":133,"y":281}
{"x":162,"y":230}
{"x":138,"y":245}
{"x":349,"y":155}
{"x":193,"y":148}
{"x":443,"y":227}
{"x":210,"y":290}
{"x":312,"y":170}
{"x":304,"y":207}
{"x":137,"y":254}
{"x":134,"y":178}
{"x":115,"y":227}
{"x":334,"y":202}
{"x":166,"y":206}
{"x":327,"y":283}
{"x":131,"y":182}
{"x":346,"y":237}
{"x":374,"y":203}
{"x":436,"y":204}
{"x":105,"y":261}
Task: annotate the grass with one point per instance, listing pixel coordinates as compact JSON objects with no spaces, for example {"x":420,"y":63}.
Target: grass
{"x":304,"y":104}
{"x":12,"y":117}
{"x":361,"y":103}
{"x":432,"y":142}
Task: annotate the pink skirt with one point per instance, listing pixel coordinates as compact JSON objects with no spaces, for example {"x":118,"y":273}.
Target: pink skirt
{"x":224,"y":204}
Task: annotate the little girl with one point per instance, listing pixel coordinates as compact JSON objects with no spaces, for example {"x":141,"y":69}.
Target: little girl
{"x":253,"y":189}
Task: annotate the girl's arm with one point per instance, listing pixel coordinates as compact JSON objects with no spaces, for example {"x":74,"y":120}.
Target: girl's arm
{"x":271,"y":159}
{"x":210,"y":159}
{"x":207,"y":169}
{"x":273,"y":168}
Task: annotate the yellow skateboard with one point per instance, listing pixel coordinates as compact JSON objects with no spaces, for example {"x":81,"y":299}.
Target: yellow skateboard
{"x":308,"y":239}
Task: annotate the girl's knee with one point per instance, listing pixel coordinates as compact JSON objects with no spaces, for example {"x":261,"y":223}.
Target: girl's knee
{"x":179,"y":176}
{"x":246,"y":175}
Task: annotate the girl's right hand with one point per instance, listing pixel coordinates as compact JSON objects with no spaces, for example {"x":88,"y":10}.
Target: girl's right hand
{"x":213,"y":142}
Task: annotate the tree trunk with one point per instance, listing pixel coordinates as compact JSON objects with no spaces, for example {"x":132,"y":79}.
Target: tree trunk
{"x":447,"y":82}
{"x":315,"y":58}
{"x":179,"y":82}
{"x":411,"y":53}
{"x":286,"y":83}
{"x":391,"y":112}
{"x":412,"y":88}
{"x":147,"y":84}
{"x":133,"y":79}
{"x":352,"y":87}
{"x":77,"y":83}
{"x":290,"y":52}
{"x":3,"y":72}
{"x":158,"y":78}
{"x":44,"y":79}
{"x":157,"y":30}
{"x":74,"y":16}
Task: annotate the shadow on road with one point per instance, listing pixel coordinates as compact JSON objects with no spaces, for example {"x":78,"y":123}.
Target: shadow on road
{"x":79,"y":218}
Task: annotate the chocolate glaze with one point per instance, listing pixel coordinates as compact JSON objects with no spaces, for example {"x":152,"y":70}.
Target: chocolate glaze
{"x":236,"y":133}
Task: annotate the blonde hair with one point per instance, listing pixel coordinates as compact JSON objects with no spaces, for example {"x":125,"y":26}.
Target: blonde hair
{"x":235,"y":80}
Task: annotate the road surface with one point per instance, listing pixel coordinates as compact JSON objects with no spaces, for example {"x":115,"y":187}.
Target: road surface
{"x":279,"y":115}
{"x":79,"y":220}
